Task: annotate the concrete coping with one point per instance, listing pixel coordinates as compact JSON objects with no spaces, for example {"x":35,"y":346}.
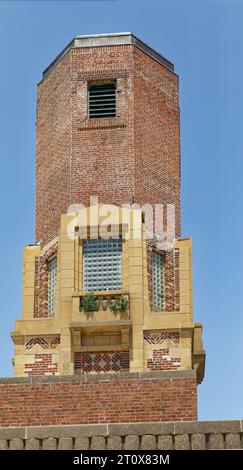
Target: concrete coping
{"x":110,"y":39}
{"x":122,"y":429}
{"x":154,"y":375}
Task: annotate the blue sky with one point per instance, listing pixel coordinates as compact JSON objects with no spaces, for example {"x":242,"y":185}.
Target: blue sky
{"x":204,"y":40}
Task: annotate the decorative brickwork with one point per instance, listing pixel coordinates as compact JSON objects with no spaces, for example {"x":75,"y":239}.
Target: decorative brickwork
{"x":101,"y":362}
{"x":41,"y":282}
{"x":44,"y":343}
{"x":43,"y":365}
{"x":158,"y":338}
{"x":90,"y":399}
{"x":161,"y":360}
{"x":176,"y":279}
{"x":170,"y":277}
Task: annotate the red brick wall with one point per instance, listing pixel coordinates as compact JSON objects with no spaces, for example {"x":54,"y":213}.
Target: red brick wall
{"x":98,"y":160}
{"x":156,"y":135}
{"x":102,"y":149}
{"x":85,"y":400}
{"x":134,"y":157}
{"x":53,"y":130}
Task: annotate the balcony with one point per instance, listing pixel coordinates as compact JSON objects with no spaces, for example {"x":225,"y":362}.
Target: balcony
{"x":105,"y":308}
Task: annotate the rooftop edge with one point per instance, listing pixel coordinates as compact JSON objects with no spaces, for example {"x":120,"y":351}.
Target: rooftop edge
{"x":110,"y":39}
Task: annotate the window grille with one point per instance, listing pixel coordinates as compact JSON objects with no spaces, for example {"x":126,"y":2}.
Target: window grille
{"x":102,"y":265}
{"x":157,"y":280}
{"x":102,"y":100}
{"x":52,"y":280}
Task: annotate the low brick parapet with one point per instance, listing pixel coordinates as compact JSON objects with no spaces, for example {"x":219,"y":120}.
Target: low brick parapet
{"x":97,"y":399}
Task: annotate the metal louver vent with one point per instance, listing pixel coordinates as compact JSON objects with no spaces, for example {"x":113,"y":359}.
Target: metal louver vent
{"x":102,"y":100}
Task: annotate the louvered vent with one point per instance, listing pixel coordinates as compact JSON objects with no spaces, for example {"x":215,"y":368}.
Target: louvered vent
{"x":102,"y":100}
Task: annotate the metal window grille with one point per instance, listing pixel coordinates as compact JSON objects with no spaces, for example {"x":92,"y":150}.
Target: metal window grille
{"x":52,"y":280}
{"x":102,"y":100}
{"x":157,"y":280}
{"x":102,"y":265}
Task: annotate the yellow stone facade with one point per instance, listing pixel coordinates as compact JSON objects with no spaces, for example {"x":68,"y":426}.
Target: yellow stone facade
{"x":169,"y":337}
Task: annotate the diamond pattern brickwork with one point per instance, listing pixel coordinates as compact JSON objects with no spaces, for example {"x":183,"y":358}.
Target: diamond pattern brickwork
{"x":101,"y":362}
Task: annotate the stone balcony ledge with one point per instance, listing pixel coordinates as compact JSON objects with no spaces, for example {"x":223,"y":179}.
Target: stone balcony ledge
{"x":104,"y":312}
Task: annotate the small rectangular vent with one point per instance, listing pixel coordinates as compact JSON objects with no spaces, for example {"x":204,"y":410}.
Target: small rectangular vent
{"x":102,"y":100}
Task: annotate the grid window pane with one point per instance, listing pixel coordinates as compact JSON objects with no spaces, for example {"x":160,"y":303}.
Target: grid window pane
{"x":52,"y":280}
{"x":102,"y":265}
{"x":157,"y":280}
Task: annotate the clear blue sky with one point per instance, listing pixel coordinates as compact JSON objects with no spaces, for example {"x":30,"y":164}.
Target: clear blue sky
{"x":204,"y":40}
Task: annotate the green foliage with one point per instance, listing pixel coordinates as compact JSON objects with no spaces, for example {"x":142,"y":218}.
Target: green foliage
{"x":120,"y":304}
{"x":89,"y":303}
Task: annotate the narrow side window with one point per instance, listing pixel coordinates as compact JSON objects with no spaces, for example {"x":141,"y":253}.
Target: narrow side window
{"x":158,"y":280}
{"x":52,"y":280}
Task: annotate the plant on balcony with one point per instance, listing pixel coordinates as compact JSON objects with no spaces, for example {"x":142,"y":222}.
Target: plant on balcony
{"x":120,"y":304}
{"x":89,"y":303}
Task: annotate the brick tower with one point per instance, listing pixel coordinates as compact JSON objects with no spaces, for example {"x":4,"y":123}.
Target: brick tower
{"x":108,"y":130}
